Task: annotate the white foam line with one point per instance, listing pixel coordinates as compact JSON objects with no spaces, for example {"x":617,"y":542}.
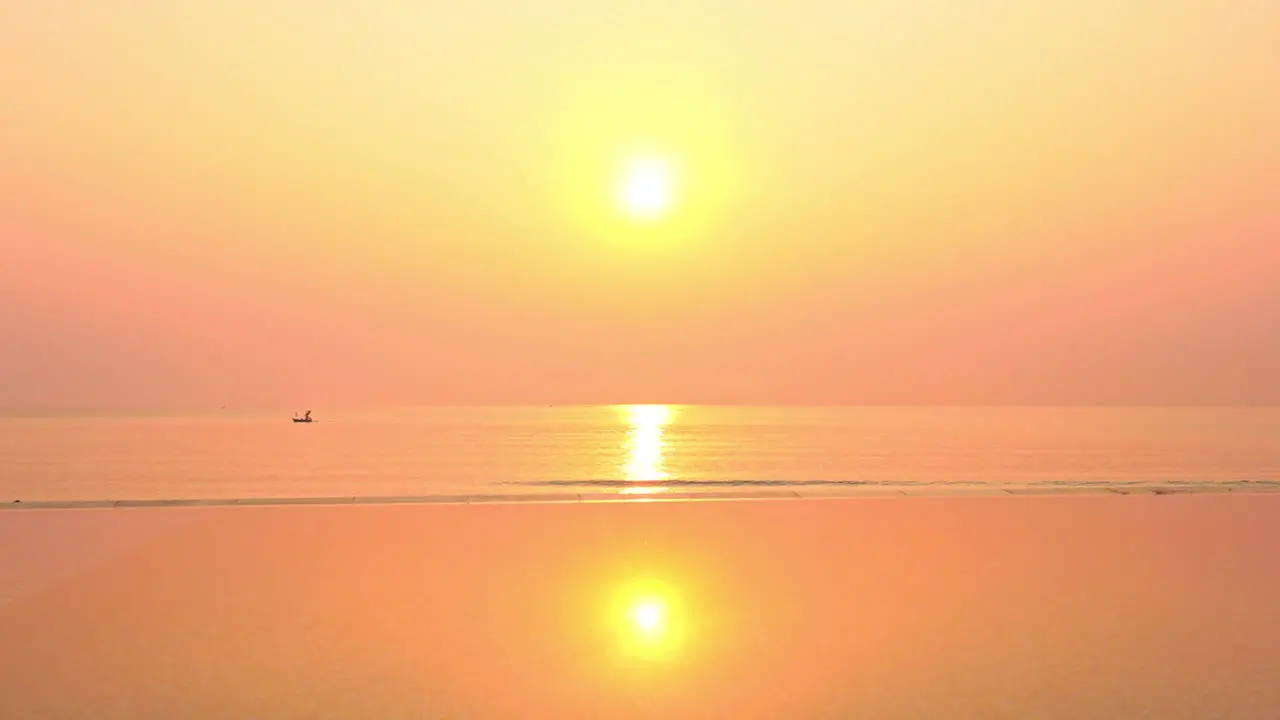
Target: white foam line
{"x":615,"y":497}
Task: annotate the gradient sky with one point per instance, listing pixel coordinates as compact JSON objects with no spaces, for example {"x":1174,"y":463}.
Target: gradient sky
{"x":338,"y":202}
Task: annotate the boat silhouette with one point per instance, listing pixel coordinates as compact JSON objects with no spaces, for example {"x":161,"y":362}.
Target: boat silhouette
{"x":306,"y":417}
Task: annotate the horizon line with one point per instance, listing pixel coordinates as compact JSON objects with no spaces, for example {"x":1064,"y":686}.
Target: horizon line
{"x":255,"y":407}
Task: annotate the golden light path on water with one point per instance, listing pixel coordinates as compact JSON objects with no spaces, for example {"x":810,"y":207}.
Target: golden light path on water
{"x":646,"y":443}
{"x":645,"y":609}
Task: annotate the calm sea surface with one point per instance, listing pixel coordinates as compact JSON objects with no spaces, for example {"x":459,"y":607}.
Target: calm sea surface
{"x":458,"y":451}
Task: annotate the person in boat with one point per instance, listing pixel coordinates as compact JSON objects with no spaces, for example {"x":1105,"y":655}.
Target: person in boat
{"x":307,"y":416}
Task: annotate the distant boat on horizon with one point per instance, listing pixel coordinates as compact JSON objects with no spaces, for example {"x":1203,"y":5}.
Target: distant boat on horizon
{"x":306,"y":417}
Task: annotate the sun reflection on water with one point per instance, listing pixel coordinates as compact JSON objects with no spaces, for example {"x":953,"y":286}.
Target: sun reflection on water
{"x":648,"y":615}
{"x":646,"y":443}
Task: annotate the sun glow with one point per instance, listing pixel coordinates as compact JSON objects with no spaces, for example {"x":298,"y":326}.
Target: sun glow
{"x":647,"y":188}
{"x":647,"y":616}
{"x":647,"y":167}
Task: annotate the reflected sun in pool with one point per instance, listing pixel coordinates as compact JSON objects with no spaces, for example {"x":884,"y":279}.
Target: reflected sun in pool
{"x":646,"y":614}
{"x":646,"y":442}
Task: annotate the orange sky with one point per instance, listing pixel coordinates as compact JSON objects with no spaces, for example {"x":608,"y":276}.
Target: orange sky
{"x":274,"y":202}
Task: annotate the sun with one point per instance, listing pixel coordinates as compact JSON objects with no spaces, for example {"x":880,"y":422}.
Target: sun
{"x":646,"y":190}
{"x":649,"y":616}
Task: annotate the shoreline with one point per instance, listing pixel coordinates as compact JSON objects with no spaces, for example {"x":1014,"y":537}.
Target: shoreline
{"x":1248,"y":488}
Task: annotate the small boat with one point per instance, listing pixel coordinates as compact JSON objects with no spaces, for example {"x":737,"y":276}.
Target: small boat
{"x":306,"y":417}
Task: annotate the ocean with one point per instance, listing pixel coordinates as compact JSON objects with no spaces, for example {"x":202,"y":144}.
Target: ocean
{"x":603,"y":450}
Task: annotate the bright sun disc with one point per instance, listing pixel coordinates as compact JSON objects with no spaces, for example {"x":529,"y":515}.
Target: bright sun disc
{"x":646,"y":190}
{"x":649,"y":616}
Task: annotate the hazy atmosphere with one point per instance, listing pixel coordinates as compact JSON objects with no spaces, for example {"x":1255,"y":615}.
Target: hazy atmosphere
{"x":275,"y":202}
{"x":640,"y":359}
